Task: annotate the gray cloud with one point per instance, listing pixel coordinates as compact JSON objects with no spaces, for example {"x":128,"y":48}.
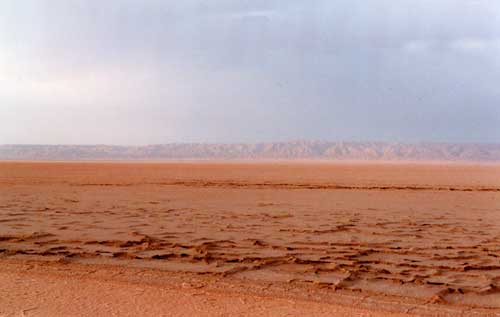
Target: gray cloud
{"x":132,"y":72}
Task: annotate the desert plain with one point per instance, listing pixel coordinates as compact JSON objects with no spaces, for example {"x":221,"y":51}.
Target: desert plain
{"x":249,"y":238}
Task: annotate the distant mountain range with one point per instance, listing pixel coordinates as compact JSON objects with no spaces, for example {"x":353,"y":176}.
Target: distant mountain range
{"x":278,"y":150}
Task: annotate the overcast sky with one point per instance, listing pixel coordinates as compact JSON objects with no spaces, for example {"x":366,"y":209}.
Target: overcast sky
{"x":149,"y":72}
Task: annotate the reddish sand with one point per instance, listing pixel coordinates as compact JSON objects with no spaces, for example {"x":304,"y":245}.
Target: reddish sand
{"x":254,"y":238}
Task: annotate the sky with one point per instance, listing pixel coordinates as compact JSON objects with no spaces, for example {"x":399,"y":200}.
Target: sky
{"x":149,"y":72}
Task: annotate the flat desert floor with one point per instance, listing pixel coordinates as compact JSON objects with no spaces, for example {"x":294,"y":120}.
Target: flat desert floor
{"x":243,"y":238}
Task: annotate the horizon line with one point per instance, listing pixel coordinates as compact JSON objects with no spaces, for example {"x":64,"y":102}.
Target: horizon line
{"x":256,"y":143}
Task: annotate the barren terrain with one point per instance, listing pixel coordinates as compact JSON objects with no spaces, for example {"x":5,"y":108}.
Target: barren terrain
{"x":421,"y":238}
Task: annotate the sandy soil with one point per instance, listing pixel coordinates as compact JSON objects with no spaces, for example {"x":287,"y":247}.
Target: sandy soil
{"x":276,"y":238}
{"x":43,"y":289}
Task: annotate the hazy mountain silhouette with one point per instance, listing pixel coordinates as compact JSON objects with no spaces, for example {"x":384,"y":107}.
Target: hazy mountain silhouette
{"x":278,"y":150}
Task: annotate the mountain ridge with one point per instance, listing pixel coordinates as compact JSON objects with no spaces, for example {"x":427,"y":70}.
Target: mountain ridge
{"x":323,"y":150}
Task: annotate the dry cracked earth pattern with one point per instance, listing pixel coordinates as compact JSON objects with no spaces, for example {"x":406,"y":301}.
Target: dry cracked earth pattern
{"x":425,"y":232}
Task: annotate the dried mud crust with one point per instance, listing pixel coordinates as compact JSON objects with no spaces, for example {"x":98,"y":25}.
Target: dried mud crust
{"x":129,"y":277}
{"x":434,"y":247}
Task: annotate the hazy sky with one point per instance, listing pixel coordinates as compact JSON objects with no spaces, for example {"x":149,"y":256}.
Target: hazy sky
{"x":146,"y":72}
